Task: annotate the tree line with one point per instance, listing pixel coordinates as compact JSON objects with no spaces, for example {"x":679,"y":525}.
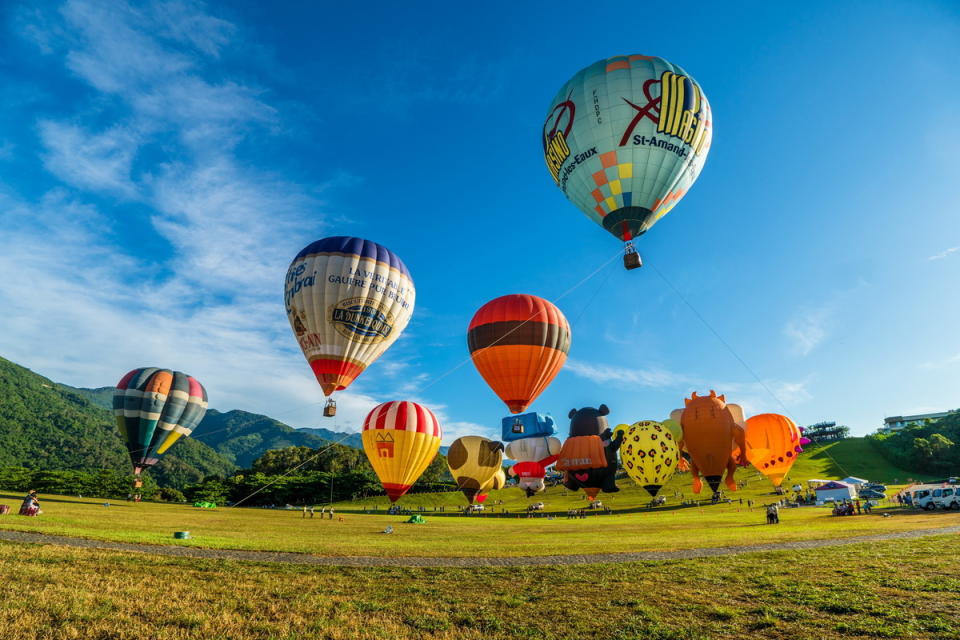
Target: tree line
{"x":292,"y":475}
{"x":929,"y":447}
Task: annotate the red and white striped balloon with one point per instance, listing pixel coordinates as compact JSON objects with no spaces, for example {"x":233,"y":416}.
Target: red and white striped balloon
{"x":401,"y":439}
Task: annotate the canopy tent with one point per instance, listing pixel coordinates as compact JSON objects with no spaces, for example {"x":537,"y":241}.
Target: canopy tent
{"x":856,"y":481}
{"x":834,"y":491}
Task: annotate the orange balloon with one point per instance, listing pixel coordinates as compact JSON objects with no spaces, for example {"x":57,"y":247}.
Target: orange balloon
{"x":773,"y":442}
{"x":712,"y":435}
{"x":518,"y":344}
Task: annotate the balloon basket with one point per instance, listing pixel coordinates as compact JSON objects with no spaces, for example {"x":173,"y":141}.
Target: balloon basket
{"x":631,"y":259}
{"x":181,"y":535}
{"x":330,"y":409}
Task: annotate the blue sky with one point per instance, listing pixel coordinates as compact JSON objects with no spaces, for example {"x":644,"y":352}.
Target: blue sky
{"x":161,"y":163}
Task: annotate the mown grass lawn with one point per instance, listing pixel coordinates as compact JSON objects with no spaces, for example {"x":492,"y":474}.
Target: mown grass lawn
{"x":278,"y":530}
{"x":884,"y":590}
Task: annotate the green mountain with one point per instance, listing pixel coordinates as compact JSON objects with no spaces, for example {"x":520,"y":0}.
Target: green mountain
{"x":239,"y":436}
{"x":242,"y":437}
{"x":47,"y":426}
{"x":347,"y":439}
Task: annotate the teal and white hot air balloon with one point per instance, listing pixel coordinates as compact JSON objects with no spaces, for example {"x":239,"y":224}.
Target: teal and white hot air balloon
{"x":624,"y":139}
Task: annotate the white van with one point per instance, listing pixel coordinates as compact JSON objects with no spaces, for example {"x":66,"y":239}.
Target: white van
{"x":947,"y":497}
{"x":933,"y":496}
{"x":922,"y":496}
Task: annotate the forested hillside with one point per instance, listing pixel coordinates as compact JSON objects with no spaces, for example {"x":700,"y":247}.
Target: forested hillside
{"x":932,"y":447}
{"x":46,"y":426}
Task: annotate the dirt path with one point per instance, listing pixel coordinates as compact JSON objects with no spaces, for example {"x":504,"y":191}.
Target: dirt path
{"x":368,"y":561}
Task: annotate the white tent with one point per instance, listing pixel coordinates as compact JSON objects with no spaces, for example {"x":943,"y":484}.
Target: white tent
{"x":835,"y":491}
{"x":856,"y":481}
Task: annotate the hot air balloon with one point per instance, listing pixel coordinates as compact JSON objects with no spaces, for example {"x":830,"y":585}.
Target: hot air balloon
{"x":588,"y":457}
{"x":677,"y":432}
{"x":495,"y":483}
{"x":772,"y":445}
{"x":473,"y":462}
{"x":649,"y":454}
{"x":530,"y":442}
{"x":518,"y":344}
{"x":400,"y":439}
{"x":625,"y":139}
{"x":712,"y":431}
{"x":347,"y":299}
{"x":154,"y":408}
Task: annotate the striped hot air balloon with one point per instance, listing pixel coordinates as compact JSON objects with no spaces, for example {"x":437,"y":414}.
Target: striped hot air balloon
{"x":347,"y":299}
{"x":154,"y":408}
{"x":400,"y":439}
{"x":518,"y":343}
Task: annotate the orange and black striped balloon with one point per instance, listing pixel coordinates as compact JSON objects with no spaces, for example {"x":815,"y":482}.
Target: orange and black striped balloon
{"x":518,"y":344}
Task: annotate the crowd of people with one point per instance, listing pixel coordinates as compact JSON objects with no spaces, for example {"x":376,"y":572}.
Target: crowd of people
{"x":850,"y":508}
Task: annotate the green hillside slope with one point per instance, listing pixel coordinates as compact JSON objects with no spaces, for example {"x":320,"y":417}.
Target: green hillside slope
{"x":242,"y":437}
{"x":48,"y":426}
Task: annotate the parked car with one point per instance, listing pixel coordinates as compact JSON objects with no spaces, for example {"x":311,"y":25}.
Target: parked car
{"x":536,"y":506}
{"x":870,"y":494}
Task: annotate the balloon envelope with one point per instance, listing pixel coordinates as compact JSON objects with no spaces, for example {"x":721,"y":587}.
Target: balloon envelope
{"x":649,"y":454}
{"x":473,"y":462}
{"x":773,"y":442}
{"x":711,"y":433}
{"x":154,"y":408}
{"x":625,"y":139}
{"x":518,"y":344}
{"x":400,"y":439}
{"x":347,"y":300}
{"x":495,"y":483}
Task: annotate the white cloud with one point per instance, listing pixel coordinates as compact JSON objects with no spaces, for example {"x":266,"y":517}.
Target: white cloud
{"x":82,"y":303}
{"x":100,"y":162}
{"x":806,"y":331}
{"x":622,"y":376}
{"x":943,"y":254}
{"x":946,"y":362}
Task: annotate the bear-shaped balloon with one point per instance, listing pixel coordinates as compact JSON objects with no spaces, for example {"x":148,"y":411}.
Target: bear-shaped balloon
{"x":588,"y":458}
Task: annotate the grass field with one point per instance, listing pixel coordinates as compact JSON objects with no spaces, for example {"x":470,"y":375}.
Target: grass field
{"x":260,"y":529}
{"x":897,"y":589}
{"x":886,"y":590}
{"x":637,"y":529}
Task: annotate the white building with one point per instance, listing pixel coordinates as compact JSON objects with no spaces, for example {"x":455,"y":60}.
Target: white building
{"x":896,"y":423}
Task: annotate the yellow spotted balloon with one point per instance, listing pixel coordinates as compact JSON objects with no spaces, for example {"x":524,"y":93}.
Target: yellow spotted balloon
{"x":649,"y":453}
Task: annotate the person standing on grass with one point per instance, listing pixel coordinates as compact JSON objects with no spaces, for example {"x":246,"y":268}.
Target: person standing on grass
{"x":311,"y":512}
{"x":331,"y":513}
{"x":304,"y":511}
